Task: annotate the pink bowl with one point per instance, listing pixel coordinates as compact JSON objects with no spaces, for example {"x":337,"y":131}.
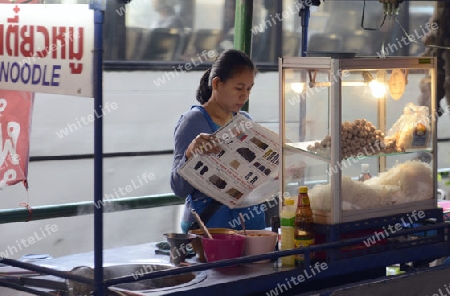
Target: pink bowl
{"x":223,"y":246}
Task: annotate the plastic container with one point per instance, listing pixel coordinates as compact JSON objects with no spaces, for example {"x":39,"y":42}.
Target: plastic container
{"x":197,"y":244}
{"x":259,"y":242}
{"x":287,"y":231}
{"x":223,"y":246}
{"x":365,"y":172}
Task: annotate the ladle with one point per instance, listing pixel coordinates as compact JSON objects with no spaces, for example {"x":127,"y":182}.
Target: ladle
{"x":241,"y":217}
{"x":202,"y":225}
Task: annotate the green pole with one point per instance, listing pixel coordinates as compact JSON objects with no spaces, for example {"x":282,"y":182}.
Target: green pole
{"x":242,"y":29}
{"x":87,"y":207}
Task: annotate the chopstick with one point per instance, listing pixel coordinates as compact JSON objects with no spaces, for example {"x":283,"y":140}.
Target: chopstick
{"x":200,"y":222}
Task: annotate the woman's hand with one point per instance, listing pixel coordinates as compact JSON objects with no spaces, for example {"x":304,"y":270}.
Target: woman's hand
{"x":203,"y":144}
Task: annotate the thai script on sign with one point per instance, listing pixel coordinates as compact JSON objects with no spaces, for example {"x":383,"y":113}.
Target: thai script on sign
{"x":8,"y":146}
{"x":46,"y":48}
{"x":18,"y":40}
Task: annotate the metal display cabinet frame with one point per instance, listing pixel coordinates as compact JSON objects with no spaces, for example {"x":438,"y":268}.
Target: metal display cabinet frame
{"x":337,"y":215}
{"x":339,"y":224}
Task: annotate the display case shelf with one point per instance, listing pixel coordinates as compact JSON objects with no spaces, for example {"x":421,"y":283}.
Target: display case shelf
{"x":302,"y":147}
{"x":324,"y":217}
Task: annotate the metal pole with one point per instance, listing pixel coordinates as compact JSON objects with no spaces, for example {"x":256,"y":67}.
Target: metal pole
{"x":99,"y":7}
{"x":242,"y":30}
{"x":335,"y":129}
{"x":304,"y":14}
{"x":278,"y":33}
{"x":242,"y":26}
{"x":87,"y":208}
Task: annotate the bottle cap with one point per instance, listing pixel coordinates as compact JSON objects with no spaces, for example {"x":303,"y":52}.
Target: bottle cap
{"x":365,"y":166}
{"x":303,"y":189}
{"x":289,"y":202}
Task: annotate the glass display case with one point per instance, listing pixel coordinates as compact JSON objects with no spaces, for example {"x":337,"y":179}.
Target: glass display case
{"x":360,"y":133}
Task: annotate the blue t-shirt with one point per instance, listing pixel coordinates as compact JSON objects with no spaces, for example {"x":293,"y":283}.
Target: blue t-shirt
{"x":189,"y":126}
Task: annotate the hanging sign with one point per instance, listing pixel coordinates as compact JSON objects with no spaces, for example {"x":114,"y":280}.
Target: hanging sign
{"x":47,"y":48}
{"x":15,"y":126}
{"x":15,"y":129}
{"x":20,"y":1}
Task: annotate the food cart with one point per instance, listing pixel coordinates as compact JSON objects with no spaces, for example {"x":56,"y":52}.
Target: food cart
{"x":427,"y":241}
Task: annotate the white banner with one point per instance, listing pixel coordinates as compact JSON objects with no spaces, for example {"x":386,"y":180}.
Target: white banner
{"x":47,"y":48}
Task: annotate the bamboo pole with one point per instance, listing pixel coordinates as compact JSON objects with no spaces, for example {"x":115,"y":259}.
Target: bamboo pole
{"x":242,"y":30}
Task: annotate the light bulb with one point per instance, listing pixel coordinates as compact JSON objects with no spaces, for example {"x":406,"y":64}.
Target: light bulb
{"x":378,"y":88}
{"x":298,"y":87}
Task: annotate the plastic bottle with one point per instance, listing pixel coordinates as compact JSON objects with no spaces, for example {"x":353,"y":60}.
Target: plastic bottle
{"x":365,"y":173}
{"x":287,"y":231}
{"x":304,"y":224}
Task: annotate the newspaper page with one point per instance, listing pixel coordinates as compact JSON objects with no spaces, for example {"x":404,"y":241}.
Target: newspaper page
{"x":244,"y":172}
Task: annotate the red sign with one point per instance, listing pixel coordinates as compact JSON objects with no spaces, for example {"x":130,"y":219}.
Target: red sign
{"x":15,"y":126}
{"x":21,"y":1}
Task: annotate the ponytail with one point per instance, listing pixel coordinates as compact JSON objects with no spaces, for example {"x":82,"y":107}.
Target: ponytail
{"x":204,"y":90}
{"x":229,"y":63}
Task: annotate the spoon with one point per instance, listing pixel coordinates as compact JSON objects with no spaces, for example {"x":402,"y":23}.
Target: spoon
{"x":200,"y":222}
{"x":241,"y":217}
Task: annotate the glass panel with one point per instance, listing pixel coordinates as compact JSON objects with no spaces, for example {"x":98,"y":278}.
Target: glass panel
{"x":306,"y":120}
{"x":328,"y":32}
{"x":182,"y":30}
{"x":264,"y":30}
{"x":385,"y":123}
{"x":300,"y":93}
{"x":396,"y":125}
{"x":156,"y":30}
{"x":291,"y":28}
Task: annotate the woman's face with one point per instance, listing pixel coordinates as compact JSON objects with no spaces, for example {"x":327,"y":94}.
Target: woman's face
{"x":232,"y":94}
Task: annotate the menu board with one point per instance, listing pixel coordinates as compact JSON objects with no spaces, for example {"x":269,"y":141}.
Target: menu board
{"x":244,"y":172}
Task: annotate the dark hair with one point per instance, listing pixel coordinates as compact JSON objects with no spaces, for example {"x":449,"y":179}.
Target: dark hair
{"x":228,"y":63}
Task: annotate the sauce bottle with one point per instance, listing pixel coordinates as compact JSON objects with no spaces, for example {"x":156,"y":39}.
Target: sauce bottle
{"x":304,"y":224}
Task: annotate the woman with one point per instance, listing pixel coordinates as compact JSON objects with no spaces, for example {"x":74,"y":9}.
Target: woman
{"x":223,"y":90}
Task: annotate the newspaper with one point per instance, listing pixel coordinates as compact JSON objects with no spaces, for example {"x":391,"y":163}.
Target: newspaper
{"x":244,"y":172}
